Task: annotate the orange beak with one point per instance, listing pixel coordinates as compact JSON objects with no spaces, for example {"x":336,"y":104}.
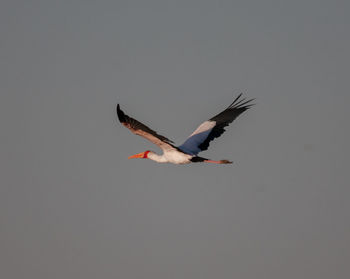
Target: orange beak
{"x":139,"y":155}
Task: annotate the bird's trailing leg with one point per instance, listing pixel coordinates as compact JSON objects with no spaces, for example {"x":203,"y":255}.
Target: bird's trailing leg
{"x":198,"y":159}
{"x":218,"y":162}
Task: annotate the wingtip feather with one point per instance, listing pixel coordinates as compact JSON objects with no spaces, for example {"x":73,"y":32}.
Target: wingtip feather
{"x":241,"y":103}
{"x":235,"y":100}
{"x":120,"y":113}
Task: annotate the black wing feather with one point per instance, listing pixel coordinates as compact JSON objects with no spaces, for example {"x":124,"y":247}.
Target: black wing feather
{"x":136,"y":125}
{"x":224,"y":118}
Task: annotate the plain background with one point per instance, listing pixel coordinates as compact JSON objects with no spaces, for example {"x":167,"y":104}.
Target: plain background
{"x":73,"y":206}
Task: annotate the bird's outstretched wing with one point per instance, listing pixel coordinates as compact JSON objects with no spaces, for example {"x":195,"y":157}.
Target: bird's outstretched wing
{"x":142,"y":130}
{"x":214,"y":127}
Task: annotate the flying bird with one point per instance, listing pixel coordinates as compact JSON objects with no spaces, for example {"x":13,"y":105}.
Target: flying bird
{"x":198,"y":141}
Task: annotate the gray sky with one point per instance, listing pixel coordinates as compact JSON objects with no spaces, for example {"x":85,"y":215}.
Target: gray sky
{"x":73,"y":206}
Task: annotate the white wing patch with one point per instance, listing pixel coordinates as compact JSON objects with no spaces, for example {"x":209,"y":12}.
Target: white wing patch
{"x":205,"y":126}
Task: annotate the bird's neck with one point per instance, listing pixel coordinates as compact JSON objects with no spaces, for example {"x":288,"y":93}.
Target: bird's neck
{"x":155,"y":157}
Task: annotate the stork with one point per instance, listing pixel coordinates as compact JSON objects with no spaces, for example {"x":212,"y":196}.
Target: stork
{"x":198,"y":141}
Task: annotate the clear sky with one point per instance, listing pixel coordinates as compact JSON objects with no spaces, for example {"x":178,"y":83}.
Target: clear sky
{"x":73,"y":206}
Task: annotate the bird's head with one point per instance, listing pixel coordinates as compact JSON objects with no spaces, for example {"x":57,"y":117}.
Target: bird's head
{"x":142,"y":155}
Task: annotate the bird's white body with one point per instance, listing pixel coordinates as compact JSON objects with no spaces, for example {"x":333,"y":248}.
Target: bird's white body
{"x":172,"y":156}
